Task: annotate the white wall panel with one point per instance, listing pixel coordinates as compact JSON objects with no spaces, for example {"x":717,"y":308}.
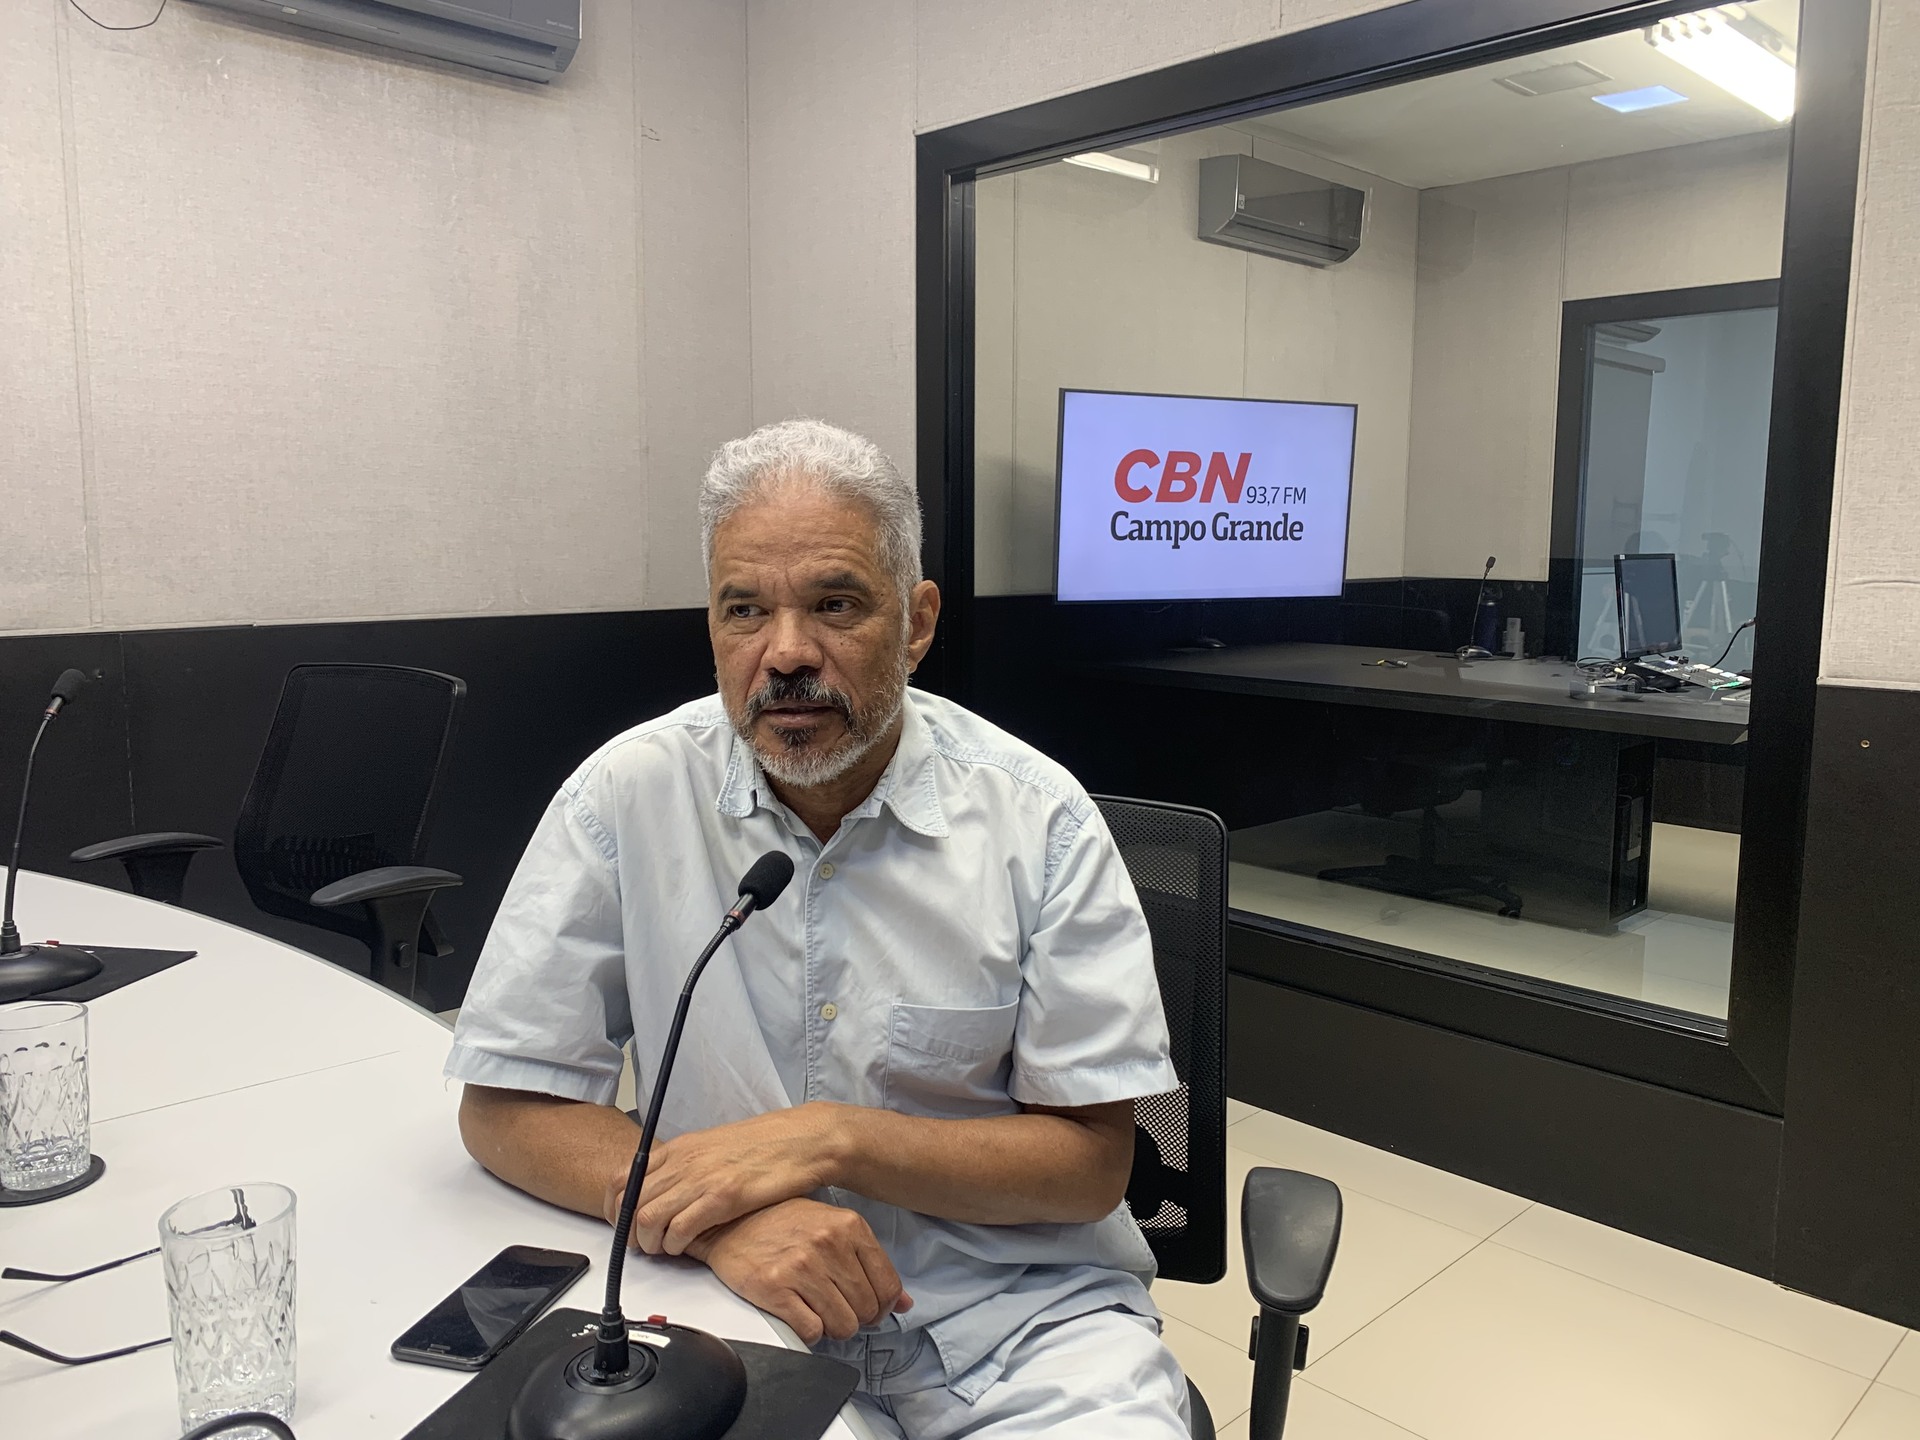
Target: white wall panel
{"x":1114,"y":293}
{"x":1345,"y":333}
{"x":830,"y":130}
{"x":1693,"y":215}
{"x":43,"y":538}
{"x":979,"y":57}
{"x":1486,"y":336}
{"x":696,"y":323}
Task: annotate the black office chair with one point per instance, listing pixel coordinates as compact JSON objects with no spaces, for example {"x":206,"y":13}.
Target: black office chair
{"x":335,"y":823}
{"x":1290,"y":1222}
{"x":1393,"y":781}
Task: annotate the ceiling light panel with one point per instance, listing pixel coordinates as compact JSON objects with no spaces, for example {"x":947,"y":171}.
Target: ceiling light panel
{"x":1117,"y":165}
{"x":1742,"y":57}
{"x":1630,"y":102}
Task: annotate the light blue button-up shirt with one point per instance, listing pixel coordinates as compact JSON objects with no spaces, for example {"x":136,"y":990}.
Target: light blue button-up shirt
{"x":966,"y":942}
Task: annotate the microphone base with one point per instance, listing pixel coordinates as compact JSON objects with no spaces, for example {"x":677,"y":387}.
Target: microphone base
{"x":36,"y":969}
{"x":691,"y":1388}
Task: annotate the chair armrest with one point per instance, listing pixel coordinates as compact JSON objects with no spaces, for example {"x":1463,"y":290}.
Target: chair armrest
{"x":1290,"y":1226}
{"x":384,"y":883}
{"x":160,"y":842}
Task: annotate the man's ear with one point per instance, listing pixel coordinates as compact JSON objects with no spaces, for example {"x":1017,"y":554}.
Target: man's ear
{"x":923,"y":615}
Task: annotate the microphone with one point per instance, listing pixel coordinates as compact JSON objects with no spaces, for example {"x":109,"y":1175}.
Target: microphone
{"x":694,"y":1387}
{"x":27,"y":970}
{"x":1470,"y":650}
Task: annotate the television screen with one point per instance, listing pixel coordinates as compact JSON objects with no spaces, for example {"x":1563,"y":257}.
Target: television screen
{"x":1180,"y":497}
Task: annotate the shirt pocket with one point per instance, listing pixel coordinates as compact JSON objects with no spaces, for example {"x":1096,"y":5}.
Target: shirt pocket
{"x":951,"y":1063}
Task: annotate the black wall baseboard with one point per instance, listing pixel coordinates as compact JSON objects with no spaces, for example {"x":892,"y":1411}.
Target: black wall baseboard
{"x":1687,"y":1172}
{"x":168,"y":735}
{"x":1850,"y":1179}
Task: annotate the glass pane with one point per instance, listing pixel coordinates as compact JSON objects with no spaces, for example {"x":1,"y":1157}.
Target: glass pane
{"x":1407,"y":253}
{"x":1676,"y":463}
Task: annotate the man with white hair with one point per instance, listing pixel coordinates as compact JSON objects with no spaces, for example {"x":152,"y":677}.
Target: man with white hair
{"x":902,"y":1118}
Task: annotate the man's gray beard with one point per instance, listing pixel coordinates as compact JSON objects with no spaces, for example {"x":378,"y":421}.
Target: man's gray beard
{"x":808,"y":766}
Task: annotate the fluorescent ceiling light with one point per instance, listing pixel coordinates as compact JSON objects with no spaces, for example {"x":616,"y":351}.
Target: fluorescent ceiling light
{"x":1652,"y":97}
{"x":1117,"y":165}
{"x":1707,"y":44}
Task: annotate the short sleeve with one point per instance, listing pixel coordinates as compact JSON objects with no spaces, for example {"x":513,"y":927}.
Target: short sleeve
{"x":1091,"y":1029}
{"x":548,"y":1008}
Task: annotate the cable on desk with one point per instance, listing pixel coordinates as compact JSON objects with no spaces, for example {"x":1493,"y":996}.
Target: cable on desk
{"x":1744,"y":626}
{"x":143,"y":25}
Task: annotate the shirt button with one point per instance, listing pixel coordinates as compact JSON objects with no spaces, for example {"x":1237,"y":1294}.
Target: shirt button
{"x":826,"y":873}
{"x":829,"y":1010}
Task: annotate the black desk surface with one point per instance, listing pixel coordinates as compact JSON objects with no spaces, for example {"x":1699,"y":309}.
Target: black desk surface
{"x":1532,"y":692}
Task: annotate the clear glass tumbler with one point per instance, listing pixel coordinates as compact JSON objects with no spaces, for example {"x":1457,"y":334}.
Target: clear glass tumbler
{"x":229,"y":1261}
{"x":45,"y":1134}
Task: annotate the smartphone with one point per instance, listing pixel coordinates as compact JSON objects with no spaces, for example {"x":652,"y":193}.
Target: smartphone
{"x":481,"y":1318}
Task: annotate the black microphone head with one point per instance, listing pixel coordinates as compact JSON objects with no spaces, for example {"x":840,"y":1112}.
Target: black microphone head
{"x":766,"y":878}
{"x":68,"y":686}
{"x":1489,"y":565}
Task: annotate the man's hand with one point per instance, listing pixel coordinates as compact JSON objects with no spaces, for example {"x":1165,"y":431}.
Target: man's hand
{"x":706,"y":1178}
{"x":818,"y":1267}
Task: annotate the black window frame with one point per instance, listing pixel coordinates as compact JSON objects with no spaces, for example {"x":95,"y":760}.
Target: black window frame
{"x":1746,"y":1067}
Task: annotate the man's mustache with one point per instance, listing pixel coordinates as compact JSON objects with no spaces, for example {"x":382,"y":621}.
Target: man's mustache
{"x":798,"y":690}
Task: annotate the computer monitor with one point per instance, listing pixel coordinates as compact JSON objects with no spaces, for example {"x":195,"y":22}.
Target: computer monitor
{"x":1184,"y":497}
{"x":1649,"y":598}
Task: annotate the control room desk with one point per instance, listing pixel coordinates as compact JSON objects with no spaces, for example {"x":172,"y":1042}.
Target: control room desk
{"x":256,"y":1061}
{"x":1571,"y":785}
{"x":1532,"y":692}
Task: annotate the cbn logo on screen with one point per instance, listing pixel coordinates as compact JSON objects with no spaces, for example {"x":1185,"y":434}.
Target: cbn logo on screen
{"x":1180,"y":479}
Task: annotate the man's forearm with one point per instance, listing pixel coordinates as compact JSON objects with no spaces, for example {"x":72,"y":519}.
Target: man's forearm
{"x":1031,"y":1168}
{"x":560,"y":1150}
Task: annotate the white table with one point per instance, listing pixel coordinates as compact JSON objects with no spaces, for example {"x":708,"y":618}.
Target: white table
{"x":256,"y":1061}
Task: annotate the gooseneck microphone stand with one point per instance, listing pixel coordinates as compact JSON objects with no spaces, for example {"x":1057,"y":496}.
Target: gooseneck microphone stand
{"x":27,"y":970}
{"x":693,"y":1386}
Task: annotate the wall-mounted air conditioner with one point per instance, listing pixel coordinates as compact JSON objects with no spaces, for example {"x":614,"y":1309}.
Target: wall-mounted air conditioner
{"x":1253,"y":205}
{"x":533,"y":39}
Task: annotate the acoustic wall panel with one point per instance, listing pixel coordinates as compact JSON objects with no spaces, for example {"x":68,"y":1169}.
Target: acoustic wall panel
{"x":986,"y":56}
{"x":43,"y":538}
{"x":696,"y":327}
{"x":830,"y":147}
{"x":362,"y":330}
{"x":1874,"y":579}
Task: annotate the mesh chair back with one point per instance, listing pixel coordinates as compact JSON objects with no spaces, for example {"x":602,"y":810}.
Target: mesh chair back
{"x":1177,"y":857}
{"x":346,"y":783}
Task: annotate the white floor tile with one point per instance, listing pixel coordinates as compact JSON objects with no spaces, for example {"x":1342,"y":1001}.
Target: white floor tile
{"x":1903,"y":1370}
{"x":1385,"y":1254}
{"x":1238,"y":1110}
{"x":1451,"y":1199}
{"x":1885,"y":1414}
{"x":1506,"y":1347}
{"x":1222,"y":1371}
{"x":1756,"y":1307}
{"x":1673,"y":960}
{"x":1316,"y":1414}
{"x":1313,"y":1414}
{"x":1694,"y":875}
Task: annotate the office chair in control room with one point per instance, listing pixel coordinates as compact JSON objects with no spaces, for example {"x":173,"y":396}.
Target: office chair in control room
{"x":1290,"y":1222}
{"x":1397,"y":780}
{"x":335,"y":823}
